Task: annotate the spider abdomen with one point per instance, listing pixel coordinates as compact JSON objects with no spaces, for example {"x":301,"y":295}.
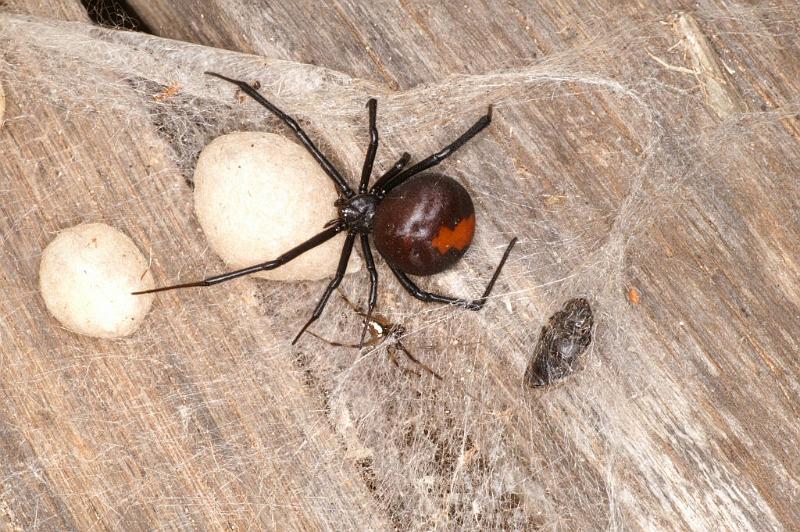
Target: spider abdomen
{"x":424,"y":225}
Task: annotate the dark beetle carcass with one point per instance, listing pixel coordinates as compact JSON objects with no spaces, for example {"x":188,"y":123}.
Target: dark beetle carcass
{"x":562,"y":341}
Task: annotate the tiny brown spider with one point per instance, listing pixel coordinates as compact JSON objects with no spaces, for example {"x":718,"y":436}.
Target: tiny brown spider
{"x":380,"y":330}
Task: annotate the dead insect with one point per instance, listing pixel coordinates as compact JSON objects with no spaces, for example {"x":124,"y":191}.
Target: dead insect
{"x":562,"y":341}
{"x":381,"y":330}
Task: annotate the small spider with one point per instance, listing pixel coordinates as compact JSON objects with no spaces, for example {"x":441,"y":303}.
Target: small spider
{"x":382,"y":330}
{"x":420,"y":223}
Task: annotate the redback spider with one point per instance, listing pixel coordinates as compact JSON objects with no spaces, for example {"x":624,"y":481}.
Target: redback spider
{"x":420,"y":223}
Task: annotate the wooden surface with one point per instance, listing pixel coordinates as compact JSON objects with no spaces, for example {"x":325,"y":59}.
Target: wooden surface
{"x":657,"y":152}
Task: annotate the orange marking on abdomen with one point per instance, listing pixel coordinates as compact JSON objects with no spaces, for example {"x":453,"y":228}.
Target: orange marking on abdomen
{"x":458,"y":237}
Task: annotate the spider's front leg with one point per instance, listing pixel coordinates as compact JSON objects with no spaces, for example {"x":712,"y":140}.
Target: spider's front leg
{"x":400,"y":347}
{"x":301,"y":135}
{"x":387,"y":183}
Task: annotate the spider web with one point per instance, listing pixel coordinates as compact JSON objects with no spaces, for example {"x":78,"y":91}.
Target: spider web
{"x":477,"y":451}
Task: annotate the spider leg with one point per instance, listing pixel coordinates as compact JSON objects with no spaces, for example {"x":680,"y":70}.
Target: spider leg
{"x":371,"y":343}
{"x":392,"y":352}
{"x":375,"y":318}
{"x":331,"y":342}
{"x":293,"y":253}
{"x":369,"y":160}
{"x":416,"y":361}
{"x":393,"y":171}
{"x":343,"y":258}
{"x":350,"y":304}
{"x":392,"y":356}
{"x":475,"y":304}
{"x":295,"y":127}
{"x":439,"y":156}
{"x":373,"y":285}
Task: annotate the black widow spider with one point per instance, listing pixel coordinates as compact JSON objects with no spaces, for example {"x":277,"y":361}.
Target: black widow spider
{"x":420,"y":223}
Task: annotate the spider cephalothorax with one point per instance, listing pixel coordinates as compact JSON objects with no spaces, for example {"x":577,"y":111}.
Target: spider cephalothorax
{"x":421,"y":223}
{"x":357,"y":213}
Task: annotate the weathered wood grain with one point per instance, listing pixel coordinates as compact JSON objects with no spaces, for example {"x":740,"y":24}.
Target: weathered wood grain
{"x":100,"y":434}
{"x":680,"y":182}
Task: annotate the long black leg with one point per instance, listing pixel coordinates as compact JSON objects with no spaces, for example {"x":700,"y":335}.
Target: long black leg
{"x":393,"y":171}
{"x":298,"y":131}
{"x":440,"y":155}
{"x":373,"y":284}
{"x":475,"y":304}
{"x":345,"y":256}
{"x":369,"y":160}
{"x":293,"y":253}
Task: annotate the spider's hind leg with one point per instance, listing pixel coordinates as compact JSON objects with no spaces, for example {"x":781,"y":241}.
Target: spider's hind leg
{"x":373,"y":285}
{"x":343,"y":258}
{"x":429,"y":297}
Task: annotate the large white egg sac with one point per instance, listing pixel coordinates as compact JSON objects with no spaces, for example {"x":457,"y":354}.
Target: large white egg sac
{"x":257,"y":195}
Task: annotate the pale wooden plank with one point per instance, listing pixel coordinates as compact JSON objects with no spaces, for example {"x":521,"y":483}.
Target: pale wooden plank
{"x":146,"y":432}
{"x":686,"y":414}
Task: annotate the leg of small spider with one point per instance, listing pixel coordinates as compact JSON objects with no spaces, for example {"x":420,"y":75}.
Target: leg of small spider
{"x":382,"y":325}
{"x":391,"y":351}
{"x":416,"y":361}
{"x":293,"y":253}
{"x":352,"y":305}
{"x":385,"y":185}
{"x":373,"y":285}
{"x":369,"y":160}
{"x":370,"y":343}
{"x":475,"y":304}
{"x":343,"y":258}
{"x":298,"y":131}
{"x":375,"y":318}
